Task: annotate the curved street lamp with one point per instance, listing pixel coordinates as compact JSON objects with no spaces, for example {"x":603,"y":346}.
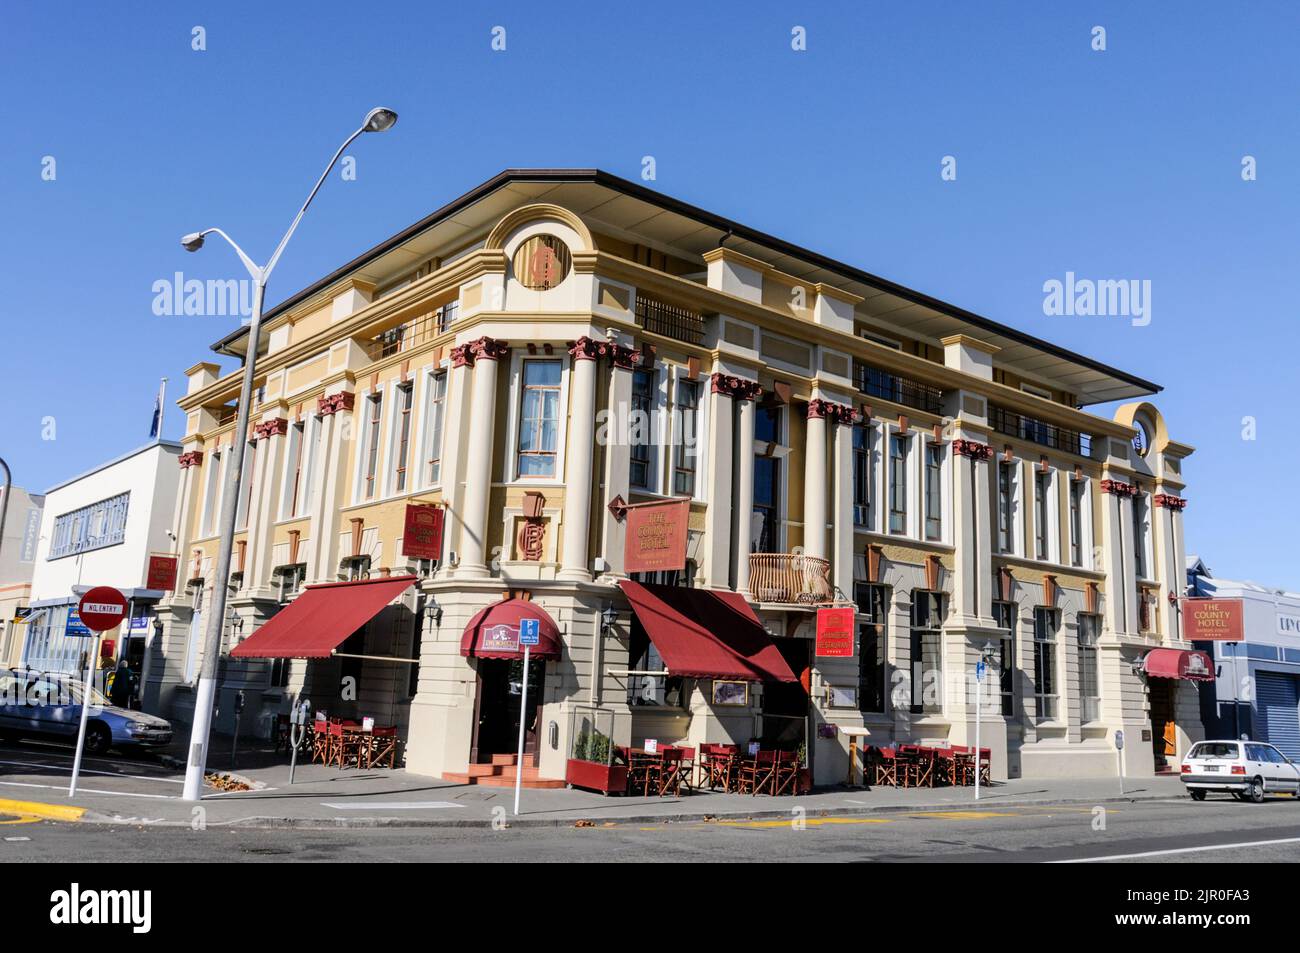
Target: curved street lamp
{"x":378,"y":119}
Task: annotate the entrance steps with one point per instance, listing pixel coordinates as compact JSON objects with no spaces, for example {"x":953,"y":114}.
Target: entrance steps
{"x":501,"y":774}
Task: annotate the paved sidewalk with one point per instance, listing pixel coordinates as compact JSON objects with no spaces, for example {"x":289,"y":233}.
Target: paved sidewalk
{"x":146,"y":790}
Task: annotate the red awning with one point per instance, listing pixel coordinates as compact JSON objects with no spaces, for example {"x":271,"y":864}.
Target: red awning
{"x":702,"y":633}
{"x":315,"y":623}
{"x":1179,"y":663}
{"x":494,"y":632}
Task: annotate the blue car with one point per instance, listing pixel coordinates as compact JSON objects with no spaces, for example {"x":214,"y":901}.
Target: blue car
{"x":41,"y":705}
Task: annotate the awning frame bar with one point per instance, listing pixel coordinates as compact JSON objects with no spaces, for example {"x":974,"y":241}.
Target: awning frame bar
{"x":334,"y":653}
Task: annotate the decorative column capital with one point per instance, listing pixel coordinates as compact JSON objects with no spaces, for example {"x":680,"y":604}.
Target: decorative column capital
{"x":271,"y":428}
{"x":333,"y":403}
{"x":736,"y":387}
{"x":1118,"y":488}
{"x":488,"y":349}
{"x":843,"y":414}
{"x":586,"y":349}
{"x":193,"y":458}
{"x":1169,"y":501}
{"x":969,"y":448}
{"x":622,"y":356}
{"x":462,"y":355}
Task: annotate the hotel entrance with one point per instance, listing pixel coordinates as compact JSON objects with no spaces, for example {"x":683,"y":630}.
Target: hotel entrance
{"x":496,"y":715}
{"x":786,"y":705}
{"x":1164,"y":732}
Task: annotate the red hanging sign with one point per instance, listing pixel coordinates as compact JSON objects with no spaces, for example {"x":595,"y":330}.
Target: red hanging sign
{"x":162,"y":573}
{"x":656,"y":536}
{"x":422,"y":531}
{"x":835,"y":633}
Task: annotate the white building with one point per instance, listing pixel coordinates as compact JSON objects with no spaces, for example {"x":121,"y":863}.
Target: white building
{"x":99,"y":529}
{"x":17,"y":560}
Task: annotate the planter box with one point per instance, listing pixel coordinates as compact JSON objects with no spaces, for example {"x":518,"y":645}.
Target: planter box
{"x":805,"y":780}
{"x":606,"y":778}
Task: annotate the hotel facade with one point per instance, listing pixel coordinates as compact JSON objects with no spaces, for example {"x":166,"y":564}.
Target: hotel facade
{"x":556,"y":352}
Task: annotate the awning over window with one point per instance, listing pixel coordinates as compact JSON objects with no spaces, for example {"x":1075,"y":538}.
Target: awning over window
{"x":1178,"y":663}
{"x":317,"y":622}
{"x":494,"y":632}
{"x":702,"y":633}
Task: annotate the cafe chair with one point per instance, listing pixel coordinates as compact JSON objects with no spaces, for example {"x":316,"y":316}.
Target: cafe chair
{"x":786,"y":777}
{"x":758,"y":774}
{"x":380,"y":746}
{"x":886,"y":765}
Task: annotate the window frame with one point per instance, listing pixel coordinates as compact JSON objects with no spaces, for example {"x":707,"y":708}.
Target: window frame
{"x":898,"y":483}
{"x":922,"y":637}
{"x":524,"y":388}
{"x":433,"y":425}
{"x":873,"y":623}
{"x":1087,"y":634}
{"x":1047,"y":704}
{"x":933,"y":496}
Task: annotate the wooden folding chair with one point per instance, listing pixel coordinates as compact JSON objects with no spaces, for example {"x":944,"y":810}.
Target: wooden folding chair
{"x":381,"y":746}
{"x":758,"y":774}
{"x":320,"y":743}
{"x":785,"y":778}
{"x":886,"y":763}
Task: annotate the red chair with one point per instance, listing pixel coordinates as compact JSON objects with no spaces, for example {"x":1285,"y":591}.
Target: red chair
{"x":717,"y":766}
{"x":380,"y":746}
{"x":786,"y":778}
{"x":886,"y":764}
{"x":758,"y":774}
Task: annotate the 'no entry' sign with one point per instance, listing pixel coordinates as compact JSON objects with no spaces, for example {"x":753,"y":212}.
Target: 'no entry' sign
{"x":102,"y":608}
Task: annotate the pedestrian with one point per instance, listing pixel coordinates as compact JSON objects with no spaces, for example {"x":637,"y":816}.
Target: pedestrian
{"x":120,"y":693}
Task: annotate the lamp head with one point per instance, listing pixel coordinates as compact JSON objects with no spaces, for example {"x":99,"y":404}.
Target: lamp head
{"x":192,"y":242}
{"x":379,"y":119}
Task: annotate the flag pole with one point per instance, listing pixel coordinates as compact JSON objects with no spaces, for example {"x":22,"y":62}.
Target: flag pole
{"x":162,"y":407}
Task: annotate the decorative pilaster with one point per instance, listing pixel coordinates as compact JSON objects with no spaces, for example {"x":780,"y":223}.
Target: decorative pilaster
{"x":973,"y":593}
{"x":487,"y":353}
{"x":277,"y":427}
{"x":736,"y":387}
{"x":578,"y":461}
{"x":193,"y":458}
{"x":744,"y":520}
{"x":814,"y":483}
{"x":332,"y":404}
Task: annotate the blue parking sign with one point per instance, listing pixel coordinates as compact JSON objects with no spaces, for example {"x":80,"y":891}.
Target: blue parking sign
{"x":530,"y":632}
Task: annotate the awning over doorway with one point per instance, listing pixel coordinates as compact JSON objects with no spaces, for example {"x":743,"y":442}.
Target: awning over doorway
{"x":494,"y":632}
{"x":1178,"y":663}
{"x":317,"y":622}
{"x":702,"y":633}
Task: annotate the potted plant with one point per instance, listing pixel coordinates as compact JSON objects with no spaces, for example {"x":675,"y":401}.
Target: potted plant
{"x":594,"y":766}
{"x":805,"y":774}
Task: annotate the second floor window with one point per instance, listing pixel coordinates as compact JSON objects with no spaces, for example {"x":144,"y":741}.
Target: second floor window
{"x":1140,"y":529}
{"x":1004,"y":615}
{"x":246,"y":485}
{"x":933,"y":491}
{"x":1006,"y":507}
{"x":898,"y":483}
{"x":539,"y":419}
{"x":861,"y":476}
{"x":405,"y":395}
{"x":872,"y":619}
{"x":1042,"y":515}
{"x":293,"y":484}
{"x":686,"y":450}
{"x":90,"y":527}
{"x":434,"y":415}
{"x":374,"y":417}
{"x":1045,"y":694}
{"x":1089,"y":692}
{"x":1077,"y":489}
{"x":211,"y":492}
{"x":641,"y":436}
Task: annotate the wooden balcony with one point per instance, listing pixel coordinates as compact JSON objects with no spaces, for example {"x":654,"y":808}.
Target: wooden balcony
{"x":670,"y":320}
{"x":790,"y":579}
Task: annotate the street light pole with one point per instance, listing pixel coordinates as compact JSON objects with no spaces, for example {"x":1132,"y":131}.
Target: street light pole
{"x":377,"y":120}
{"x":4,"y":500}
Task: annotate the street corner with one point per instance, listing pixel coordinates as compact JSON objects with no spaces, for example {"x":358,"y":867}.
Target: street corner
{"x":27,"y":812}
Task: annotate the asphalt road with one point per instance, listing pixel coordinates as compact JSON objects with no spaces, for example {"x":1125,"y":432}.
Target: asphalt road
{"x":1178,"y":831}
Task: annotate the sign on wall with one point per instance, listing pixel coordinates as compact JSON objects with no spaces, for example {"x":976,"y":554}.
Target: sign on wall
{"x":1288,"y":624}
{"x":835,"y":633}
{"x":1213,"y":620}
{"x":656,"y":536}
{"x":162,"y":573}
{"x":422,"y":531}
{"x":499,"y":638}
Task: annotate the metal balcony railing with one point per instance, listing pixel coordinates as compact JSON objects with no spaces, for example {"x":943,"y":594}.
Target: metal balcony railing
{"x":670,"y":320}
{"x":413,"y":333}
{"x":1036,"y":431}
{"x":790,"y":579}
{"x":901,"y":390}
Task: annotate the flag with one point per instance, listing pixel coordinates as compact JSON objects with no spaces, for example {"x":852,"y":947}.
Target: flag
{"x":155,"y":425}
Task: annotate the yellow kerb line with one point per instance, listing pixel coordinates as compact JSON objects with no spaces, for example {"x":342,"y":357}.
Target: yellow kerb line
{"x":45,"y":812}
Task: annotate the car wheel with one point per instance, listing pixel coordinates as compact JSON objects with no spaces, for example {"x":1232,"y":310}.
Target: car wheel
{"x":1255,"y":792}
{"x":98,"y":738}
{"x":1197,"y":795}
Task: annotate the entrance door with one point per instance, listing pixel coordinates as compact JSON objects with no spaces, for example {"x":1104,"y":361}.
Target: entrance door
{"x":500,"y":682}
{"x":785,"y":704}
{"x":1164,"y":732}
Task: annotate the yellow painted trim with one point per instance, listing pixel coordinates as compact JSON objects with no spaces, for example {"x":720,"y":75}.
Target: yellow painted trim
{"x":49,"y":812}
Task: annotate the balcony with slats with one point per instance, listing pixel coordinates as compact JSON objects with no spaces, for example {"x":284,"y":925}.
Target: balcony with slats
{"x":670,"y":320}
{"x":886,"y":385}
{"x":1048,"y":435}
{"x":790,"y":579}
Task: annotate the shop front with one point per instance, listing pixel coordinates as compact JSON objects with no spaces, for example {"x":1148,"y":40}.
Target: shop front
{"x":1168,"y":674}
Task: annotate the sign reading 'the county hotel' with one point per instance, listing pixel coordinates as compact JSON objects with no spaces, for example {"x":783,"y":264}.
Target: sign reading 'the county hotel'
{"x":1213,"y":620}
{"x":656,"y":537}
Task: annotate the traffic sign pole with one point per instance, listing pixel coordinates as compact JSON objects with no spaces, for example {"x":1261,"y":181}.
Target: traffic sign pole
{"x":100,"y":609}
{"x":979,"y":693}
{"x":529,"y":635}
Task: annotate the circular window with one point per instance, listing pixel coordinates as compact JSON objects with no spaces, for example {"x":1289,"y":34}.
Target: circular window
{"x":542,"y":262}
{"x":1142,"y":439}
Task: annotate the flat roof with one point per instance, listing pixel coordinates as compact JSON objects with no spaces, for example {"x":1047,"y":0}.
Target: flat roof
{"x":164,"y":444}
{"x":1094,"y":380}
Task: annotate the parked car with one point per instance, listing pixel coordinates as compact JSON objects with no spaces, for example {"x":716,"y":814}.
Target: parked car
{"x":1248,"y":770}
{"x":40,"y":705}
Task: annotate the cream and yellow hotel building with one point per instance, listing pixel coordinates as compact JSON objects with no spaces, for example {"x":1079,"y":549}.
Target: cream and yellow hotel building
{"x":555,"y":341}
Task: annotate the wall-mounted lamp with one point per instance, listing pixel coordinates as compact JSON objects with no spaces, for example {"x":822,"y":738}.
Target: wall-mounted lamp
{"x":608,"y":618}
{"x":433,"y":611}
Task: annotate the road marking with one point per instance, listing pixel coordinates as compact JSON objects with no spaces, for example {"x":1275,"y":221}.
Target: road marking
{"x":49,"y":812}
{"x":392,"y":805}
{"x":806,"y":822}
{"x":16,"y":840}
{"x":964,"y":815}
{"x":1179,"y":850}
{"x":111,"y":774}
{"x":60,"y":787}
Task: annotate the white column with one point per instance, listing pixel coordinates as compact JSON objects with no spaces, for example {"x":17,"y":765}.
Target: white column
{"x":744,"y":492}
{"x":814,"y":483}
{"x":478,"y":466}
{"x":618,"y":456}
{"x":842,"y":524}
{"x":336,"y":418}
{"x":454,"y":440}
{"x":1117,"y":560}
{"x":718,"y":515}
{"x":261,"y":519}
{"x":973,"y":583}
{"x":580,"y":449}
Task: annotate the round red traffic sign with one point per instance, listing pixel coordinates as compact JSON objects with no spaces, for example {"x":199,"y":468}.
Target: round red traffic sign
{"x":102,"y":608}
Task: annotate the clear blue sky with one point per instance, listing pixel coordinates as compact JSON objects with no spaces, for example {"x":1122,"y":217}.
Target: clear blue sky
{"x":1117,"y":164}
